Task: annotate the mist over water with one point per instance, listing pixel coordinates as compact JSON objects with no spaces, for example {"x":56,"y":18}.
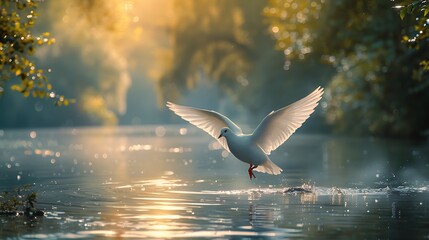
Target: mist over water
{"x":174,"y":182}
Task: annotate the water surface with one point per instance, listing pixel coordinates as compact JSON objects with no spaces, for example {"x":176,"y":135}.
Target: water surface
{"x":175,"y":182}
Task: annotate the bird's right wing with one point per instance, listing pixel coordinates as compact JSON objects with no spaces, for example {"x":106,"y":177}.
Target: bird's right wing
{"x":209,"y":121}
{"x":278,"y":126}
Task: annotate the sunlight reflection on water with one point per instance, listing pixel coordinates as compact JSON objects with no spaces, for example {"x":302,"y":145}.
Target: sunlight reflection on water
{"x":134,"y":183}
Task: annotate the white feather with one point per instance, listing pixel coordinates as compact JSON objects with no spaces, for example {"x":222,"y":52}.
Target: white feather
{"x":278,"y":126}
{"x":209,"y":121}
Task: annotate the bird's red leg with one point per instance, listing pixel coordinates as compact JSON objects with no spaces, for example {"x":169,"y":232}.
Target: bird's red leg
{"x":250,"y":171}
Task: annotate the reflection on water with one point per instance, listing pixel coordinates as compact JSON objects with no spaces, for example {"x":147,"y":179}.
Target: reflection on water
{"x":135,"y":183}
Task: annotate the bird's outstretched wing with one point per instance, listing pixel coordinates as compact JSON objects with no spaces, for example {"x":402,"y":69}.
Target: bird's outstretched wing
{"x":209,"y":121}
{"x":279,"y":125}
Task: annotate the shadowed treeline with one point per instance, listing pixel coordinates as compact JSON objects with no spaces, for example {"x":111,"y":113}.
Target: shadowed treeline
{"x":381,"y":85}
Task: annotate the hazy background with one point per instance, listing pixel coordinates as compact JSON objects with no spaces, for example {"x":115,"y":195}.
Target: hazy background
{"x":123,"y":59}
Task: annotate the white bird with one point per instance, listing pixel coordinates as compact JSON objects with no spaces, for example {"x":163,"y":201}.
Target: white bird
{"x":253,"y":148}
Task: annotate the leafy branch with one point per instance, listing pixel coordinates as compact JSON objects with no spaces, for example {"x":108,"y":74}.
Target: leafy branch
{"x":17,"y":45}
{"x":413,"y":7}
{"x":21,"y":200}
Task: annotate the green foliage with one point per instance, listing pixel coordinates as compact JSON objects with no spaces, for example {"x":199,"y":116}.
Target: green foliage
{"x":420,"y":7}
{"x":381,"y":86}
{"x":415,"y":16}
{"x":21,"y":198}
{"x":9,"y":203}
{"x":17,"y":45}
{"x":293,"y":25}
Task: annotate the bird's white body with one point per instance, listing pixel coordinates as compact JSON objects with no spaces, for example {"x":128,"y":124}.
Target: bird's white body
{"x":253,"y":148}
{"x":245,"y":149}
{"x":254,"y":154}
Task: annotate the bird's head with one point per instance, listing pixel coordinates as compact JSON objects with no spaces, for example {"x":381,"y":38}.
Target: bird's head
{"x":225,"y":132}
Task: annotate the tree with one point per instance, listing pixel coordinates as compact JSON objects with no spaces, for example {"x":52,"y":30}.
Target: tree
{"x":228,"y":44}
{"x":416,"y":35}
{"x":379,"y":86}
{"x":17,"y":45}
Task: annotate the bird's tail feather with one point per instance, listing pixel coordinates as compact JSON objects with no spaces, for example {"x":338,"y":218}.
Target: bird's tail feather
{"x":269,"y":167}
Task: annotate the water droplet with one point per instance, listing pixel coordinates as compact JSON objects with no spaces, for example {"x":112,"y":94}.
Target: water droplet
{"x":160,"y":131}
{"x":18,"y":177}
{"x":53,"y":160}
{"x":8,"y":165}
{"x":183,"y":131}
{"x":377,"y":175}
{"x":33,"y":134}
{"x":38,"y":107}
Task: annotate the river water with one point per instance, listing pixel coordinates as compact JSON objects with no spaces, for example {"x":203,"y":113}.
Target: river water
{"x":175,"y":182}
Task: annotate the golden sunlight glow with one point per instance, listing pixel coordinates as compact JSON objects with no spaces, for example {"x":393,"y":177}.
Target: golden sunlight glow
{"x":275,"y":29}
{"x":114,"y":37}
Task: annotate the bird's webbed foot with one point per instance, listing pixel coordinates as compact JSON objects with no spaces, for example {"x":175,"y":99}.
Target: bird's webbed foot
{"x":250,"y":171}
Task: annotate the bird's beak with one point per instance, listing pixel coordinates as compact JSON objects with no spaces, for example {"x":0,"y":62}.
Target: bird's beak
{"x":220,"y":136}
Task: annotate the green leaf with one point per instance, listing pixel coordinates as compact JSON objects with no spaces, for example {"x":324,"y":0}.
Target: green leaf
{"x":410,"y":8}
{"x":402,"y":13}
{"x":426,"y":11}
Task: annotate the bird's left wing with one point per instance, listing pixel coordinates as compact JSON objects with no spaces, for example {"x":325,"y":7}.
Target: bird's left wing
{"x":209,"y":121}
{"x":278,"y":126}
